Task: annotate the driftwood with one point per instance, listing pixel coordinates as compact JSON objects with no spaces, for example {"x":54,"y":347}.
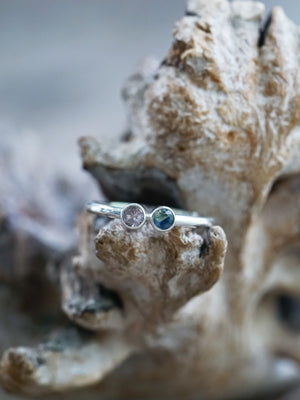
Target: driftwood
{"x":212,"y":129}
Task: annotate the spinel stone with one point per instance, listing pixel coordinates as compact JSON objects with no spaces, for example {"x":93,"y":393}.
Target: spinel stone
{"x":133,"y":216}
{"x":163,"y":218}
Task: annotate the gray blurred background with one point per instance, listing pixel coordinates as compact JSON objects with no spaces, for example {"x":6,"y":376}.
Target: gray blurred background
{"x":63,"y":62}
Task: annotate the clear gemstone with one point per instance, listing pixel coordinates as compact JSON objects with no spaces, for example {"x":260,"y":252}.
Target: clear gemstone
{"x":163,"y":218}
{"x":133,"y":216}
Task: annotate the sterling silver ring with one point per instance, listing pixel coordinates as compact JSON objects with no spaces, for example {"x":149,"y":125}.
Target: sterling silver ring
{"x":134,"y":216}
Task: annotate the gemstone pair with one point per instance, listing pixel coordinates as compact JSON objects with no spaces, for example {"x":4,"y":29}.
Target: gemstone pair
{"x":133,"y":216}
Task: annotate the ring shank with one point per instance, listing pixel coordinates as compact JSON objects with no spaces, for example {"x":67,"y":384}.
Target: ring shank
{"x":106,"y":210}
{"x":186,"y":220}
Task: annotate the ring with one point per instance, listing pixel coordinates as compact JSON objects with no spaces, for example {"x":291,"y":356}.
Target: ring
{"x":134,"y":216}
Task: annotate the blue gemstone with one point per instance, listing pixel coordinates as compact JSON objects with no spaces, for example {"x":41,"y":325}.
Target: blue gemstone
{"x":163,"y":218}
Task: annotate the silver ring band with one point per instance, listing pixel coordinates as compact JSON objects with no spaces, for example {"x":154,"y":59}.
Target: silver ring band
{"x":134,"y":215}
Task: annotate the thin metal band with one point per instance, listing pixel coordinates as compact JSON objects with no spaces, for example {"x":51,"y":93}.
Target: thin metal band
{"x":187,"y":220}
{"x":181,"y":217}
{"x":105,"y":209}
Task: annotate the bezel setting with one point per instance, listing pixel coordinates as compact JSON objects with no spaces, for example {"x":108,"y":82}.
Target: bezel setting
{"x":126,"y":209}
{"x":152,"y":218}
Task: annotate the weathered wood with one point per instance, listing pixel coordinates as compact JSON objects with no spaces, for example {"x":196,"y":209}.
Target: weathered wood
{"x":214,"y":128}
